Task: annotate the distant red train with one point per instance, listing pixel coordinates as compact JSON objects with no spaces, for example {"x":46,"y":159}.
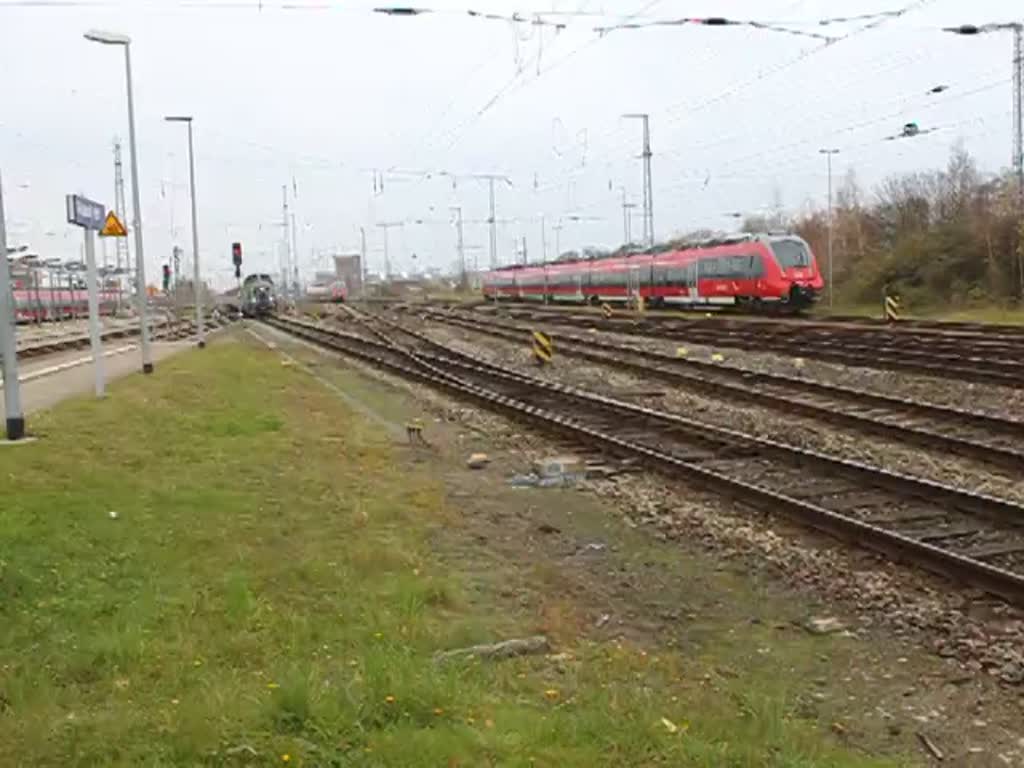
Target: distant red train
{"x":335,"y":292}
{"x":753,"y":271}
{"x":45,"y":304}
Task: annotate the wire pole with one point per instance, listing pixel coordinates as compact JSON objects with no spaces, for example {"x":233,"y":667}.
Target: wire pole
{"x":648,"y":182}
{"x":627,"y":219}
{"x":294,"y":260}
{"x":362,"y":259}
{"x":286,"y":244}
{"x":831,"y":283}
{"x":386,"y":226}
{"x":494,"y":227}
{"x":121,"y":243}
{"x":648,"y":185}
{"x":543,"y":240}
{"x":1018,"y":106}
{"x":463,"y":281}
{"x":558,"y":239}
{"x":8,"y":346}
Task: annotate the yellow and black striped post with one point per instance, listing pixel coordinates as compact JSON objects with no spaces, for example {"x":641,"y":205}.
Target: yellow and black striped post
{"x":607,"y":309}
{"x":543,"y":351}
{"x":893,"y":307}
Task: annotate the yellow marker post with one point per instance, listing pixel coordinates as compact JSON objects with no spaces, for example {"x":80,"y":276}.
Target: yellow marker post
{"x":543,"y":350}
{"x":893,"y":306}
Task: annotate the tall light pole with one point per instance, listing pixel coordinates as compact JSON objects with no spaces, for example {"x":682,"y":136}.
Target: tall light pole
{"x":112,"y":38}
{"x":197,"y":290}
{"x":648,"y":186}
{"x":828,"y":154}
{"x":8,"y":346}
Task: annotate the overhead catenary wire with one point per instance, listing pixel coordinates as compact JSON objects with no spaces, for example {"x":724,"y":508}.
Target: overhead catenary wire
{"x":688,"y":109}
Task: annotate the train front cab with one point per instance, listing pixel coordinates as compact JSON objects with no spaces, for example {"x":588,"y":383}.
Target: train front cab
{"x":801,"y":282}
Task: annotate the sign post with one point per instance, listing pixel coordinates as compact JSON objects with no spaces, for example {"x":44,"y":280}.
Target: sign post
{"x":8,"y":348}
{"x":91,"y":217}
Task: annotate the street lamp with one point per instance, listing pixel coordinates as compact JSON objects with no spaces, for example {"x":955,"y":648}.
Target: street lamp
{"x":113,"y":38}
{"x":828,"y":153}
{"x":15,"y":417}
{"x":196,"y":287}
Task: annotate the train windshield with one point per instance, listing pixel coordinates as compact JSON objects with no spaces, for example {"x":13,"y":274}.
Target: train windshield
{"x":791,"y":253}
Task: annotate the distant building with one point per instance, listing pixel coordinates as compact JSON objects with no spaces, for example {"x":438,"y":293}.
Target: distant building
{"x":349,"y":269}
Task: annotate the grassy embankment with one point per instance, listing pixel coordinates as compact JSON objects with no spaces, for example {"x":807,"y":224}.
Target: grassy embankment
{"x":221,"y":565}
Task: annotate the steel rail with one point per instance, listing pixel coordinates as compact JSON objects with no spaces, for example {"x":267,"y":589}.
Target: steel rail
{"x":889,"y":353}
{"x":716,"y":380}
{"x":990,"y":578}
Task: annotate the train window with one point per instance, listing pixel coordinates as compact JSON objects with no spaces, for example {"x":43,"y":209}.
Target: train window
{"x":679,"y":276}
{"x":709,"y":269}
{"x":756,"y":266}
{"x":615,"y":279}
{"x":791,"y":253}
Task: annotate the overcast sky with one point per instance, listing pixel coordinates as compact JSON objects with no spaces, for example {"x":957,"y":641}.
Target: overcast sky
{"x":326,"y":97}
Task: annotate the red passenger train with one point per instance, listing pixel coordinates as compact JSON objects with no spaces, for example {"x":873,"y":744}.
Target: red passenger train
{"x":32,"y":305}
{"x":754,"y":271}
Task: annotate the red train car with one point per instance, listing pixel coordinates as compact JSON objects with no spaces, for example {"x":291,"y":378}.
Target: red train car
{"x":756,"y":271}
{"x":31,"y":305}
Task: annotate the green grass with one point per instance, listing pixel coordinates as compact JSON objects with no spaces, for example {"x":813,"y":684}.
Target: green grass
{"x":268,"y":595}
{"x":980,"y":314}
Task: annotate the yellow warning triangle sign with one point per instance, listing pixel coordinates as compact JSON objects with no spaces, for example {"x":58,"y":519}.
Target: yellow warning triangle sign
{"x":113,"y":227}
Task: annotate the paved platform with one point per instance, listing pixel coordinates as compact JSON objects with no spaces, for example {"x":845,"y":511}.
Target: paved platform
{"x":45,"y":391}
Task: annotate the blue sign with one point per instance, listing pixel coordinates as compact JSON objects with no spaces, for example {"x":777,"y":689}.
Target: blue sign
{"x":85,"y":212}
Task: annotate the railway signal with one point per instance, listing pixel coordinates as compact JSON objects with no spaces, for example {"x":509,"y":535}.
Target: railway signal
{"x":167,"y":278}
{"x":236,"y":258}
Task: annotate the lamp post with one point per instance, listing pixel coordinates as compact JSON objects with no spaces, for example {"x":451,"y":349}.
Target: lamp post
{"x":113,"y":38}
{"x":15,"y":418}
{"x":196,"y":286}
{"x":828,"y":153}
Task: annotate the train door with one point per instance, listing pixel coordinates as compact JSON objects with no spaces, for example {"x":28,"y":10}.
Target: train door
{"x":579,"y":286}
{"x":633,"y":284}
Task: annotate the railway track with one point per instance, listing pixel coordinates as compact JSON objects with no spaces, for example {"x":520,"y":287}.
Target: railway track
{"x":47,"y":346}
{"x":971,"y":538}
{"x":162,"y":330}
{"x":976,"y":357}
{"x":857,"y":322}
{"x":989,"y":439}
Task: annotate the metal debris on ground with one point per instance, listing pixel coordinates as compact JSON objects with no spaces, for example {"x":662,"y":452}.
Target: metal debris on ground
{"x":551,"y":472}
{"x":506,"y":649}
{"x":478,"y":461}
{"x":933,"y":750}
{"x":414,"y":432}
{"x":533,"y":480}
{"x":824,"y":626}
